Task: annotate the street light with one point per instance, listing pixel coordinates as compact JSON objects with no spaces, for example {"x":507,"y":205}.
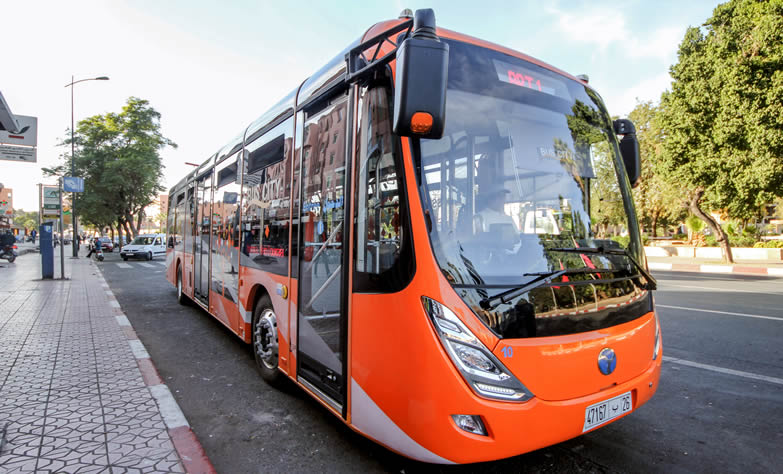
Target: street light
{"x":73,"y":168}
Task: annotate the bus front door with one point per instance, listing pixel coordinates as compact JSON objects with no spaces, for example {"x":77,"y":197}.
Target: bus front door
{"x":321,"y":310}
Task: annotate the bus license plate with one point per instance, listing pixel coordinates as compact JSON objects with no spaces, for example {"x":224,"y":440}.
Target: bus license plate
{"x":606,"y":410}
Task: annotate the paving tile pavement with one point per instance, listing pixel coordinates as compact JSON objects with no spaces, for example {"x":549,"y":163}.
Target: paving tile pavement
{"x":72,"y":396}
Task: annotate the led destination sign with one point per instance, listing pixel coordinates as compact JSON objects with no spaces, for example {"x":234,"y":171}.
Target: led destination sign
{"x":530,"y":79}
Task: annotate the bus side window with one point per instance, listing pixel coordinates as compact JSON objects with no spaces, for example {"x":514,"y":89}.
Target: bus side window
{"x":383,"y":258}
{"x":266,"y":213}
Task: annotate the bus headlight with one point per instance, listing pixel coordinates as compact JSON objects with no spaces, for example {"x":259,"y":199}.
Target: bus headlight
{"x":657,"y":346}
{"x":485,"y":374}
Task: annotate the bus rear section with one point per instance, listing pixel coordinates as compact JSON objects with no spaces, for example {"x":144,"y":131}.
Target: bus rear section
{"x":456,"y":298}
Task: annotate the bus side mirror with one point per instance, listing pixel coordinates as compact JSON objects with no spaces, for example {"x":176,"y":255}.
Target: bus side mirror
{"x":629,"y":148}
{"x":420,"y":81}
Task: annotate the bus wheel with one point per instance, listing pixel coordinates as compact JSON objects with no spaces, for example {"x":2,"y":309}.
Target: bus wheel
{"x":265,"y":340}
{"x":181,"y":297}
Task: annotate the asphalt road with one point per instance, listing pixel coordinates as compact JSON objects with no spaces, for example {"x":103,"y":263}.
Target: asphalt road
{"x":719,"y":406}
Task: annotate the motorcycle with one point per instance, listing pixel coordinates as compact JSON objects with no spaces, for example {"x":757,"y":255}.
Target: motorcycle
{"x":9,"y":253}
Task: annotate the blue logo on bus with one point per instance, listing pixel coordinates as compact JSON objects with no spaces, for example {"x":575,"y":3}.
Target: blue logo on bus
{"x":607,"y":361}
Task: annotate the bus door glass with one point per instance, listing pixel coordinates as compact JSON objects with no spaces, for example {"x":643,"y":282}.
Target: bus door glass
{"x":225,"y":234}
{"x":202,"y":234}
{"x":320,"y":310}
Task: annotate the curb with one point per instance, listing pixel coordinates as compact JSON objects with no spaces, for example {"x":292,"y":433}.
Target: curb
{"x":706,"y":268}
{"x":188,"y":447}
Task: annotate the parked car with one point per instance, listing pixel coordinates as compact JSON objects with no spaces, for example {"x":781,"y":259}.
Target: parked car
{"x":147,"y":246}
{"x":106,"y":244}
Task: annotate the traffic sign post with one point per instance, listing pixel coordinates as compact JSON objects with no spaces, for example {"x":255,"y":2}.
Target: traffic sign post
{"x":20,"y":145}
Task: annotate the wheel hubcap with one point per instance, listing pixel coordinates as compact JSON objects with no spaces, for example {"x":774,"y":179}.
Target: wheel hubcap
{"x":265,"y":338}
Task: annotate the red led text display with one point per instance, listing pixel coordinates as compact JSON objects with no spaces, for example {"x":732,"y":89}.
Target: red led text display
{"x":531,"y":78}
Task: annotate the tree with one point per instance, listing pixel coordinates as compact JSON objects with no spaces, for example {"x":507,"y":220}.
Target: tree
{"x":723,"y":118}
{"x":659,"y":202}
{"x":118,"y":156}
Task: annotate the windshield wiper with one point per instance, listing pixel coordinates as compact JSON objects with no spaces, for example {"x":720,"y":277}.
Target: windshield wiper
{"x":543,"y":278}
{"x":651,"y":283}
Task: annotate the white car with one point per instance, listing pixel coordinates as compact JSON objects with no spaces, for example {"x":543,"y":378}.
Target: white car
{"x":147,"y":246}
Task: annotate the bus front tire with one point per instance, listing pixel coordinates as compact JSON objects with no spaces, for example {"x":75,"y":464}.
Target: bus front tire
{"x":264,"y":341}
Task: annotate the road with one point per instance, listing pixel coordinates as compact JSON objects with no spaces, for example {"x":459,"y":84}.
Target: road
{"x":719,"y":406}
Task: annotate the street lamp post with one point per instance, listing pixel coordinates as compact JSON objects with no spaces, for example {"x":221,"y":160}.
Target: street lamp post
{"x":73,"y":167}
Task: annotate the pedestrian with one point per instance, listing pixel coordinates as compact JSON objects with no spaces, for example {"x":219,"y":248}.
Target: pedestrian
{"x":33,"y":234}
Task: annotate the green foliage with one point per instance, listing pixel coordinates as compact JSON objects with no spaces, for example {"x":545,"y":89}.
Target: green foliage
{"x":118,"y":156}
{"x":769,"y":244}
{"x":659,"y":202}
{"x":28,"y":220}
{"x":723,"y":118}
{"x":694,"y":224}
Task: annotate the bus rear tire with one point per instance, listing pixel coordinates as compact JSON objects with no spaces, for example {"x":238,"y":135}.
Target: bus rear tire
{"x":181,"y":297}
{"x":264,"y":341}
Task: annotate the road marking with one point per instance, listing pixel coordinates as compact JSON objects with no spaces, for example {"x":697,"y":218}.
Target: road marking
{"x":723,"y":370}
{"x":161,"y":263}
{"x":124,"y":265}
{"x":148,"y":265}
{"x":172,"y":415}
{"x":114,"y":303}
{"x":744,"y":315}
{"x":733,"y":290}
{"x":138,"y":349}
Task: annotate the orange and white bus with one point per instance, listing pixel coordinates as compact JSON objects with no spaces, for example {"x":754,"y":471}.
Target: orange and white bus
{"x":412,"y":237}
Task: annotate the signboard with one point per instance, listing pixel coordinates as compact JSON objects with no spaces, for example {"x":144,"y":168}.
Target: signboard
{"x":20,"y":145}
{"x":27,"y":134}
{"x":51,"y":202}
{"x":73,"y":184}
{"x":18,"y":153}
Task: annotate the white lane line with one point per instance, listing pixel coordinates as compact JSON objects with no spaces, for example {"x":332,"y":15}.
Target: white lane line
{"x":161,"y":263}
{"x":744,"y":315}
{"x":723,"y":370}
{"x":673,"y":286}
{"x":148,"y":265}
{"x":172,"y":415}
{"x":124,"y":265}
{"x":138,"y":349}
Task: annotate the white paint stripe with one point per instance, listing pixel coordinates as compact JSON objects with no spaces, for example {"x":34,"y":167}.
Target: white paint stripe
{"x":161,"y":263}
{"x":723,"y":370}
{"x":659,"y":266}
{"x":775,"y":271}
{"x":717,"y":268}
{"x":148,"y":265}
{"x":169,"y":409}
{"x":109,"y":293}
{"x":744,"y":315}
{"x":722,"y":290}
{"x":122,"y":321}
{"x":124,"y":265}
{"x":114,"y":303}
{"x":138,"y":349}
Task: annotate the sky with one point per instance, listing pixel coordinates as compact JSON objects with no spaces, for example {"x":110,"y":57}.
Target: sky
{"x":211,"y":68}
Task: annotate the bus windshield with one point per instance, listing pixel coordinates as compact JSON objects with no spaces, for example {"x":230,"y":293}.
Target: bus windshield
{"x":528,"y":164}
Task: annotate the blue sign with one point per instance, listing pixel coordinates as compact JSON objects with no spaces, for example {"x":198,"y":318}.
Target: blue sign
{"x":320,"y":227}
{"x":73,"y":184}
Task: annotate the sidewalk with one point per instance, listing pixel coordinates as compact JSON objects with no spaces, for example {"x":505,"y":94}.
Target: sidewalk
{"x":704,"y":265}
{"x":78,"y":391}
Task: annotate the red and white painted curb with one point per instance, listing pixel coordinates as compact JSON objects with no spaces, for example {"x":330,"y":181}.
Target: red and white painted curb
{"x":703,"y":268}
{"x":190,"y":452}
